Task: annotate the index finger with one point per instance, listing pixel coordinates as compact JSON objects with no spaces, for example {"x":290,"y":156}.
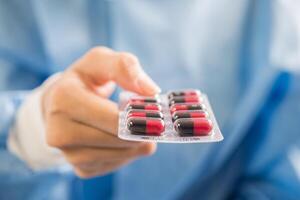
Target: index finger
{"x":101,"y":65}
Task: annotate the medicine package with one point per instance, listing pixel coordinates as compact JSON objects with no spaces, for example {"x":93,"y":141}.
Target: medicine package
{"x":182,"y":116}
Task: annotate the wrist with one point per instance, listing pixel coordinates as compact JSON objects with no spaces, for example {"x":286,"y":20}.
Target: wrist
{"x":27,"y":136}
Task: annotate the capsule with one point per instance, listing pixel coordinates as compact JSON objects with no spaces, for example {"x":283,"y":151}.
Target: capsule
{"x":184,"y":93}
{"x":189,"y":114}
{"x":193,"y":126}
{"x":192,"y":106}
{"x":143,"y":100}
{"x":145,"y":113}
{"x":185,"y":99}
{"x":145,"y":126}
{"x":144,"y":106}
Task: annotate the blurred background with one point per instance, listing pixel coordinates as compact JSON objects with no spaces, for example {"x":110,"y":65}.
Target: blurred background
{"x":245,"y":55}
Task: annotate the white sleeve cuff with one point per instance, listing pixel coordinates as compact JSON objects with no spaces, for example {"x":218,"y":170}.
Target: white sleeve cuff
{"x":27,"y":136}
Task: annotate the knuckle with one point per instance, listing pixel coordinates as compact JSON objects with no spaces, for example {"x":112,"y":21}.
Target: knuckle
{"x":128,"y":59}
{"x":59,"y":95}
{"x":110,"y":167}
{"x":129,"y":65}
{"x":75,"y":161}
{"x":58,"y":139}
{"x":52,"y":140}
{"x":144,"y":150}
{"x":83,"y":174}
{"x":55,"y":139}
{"x":149,"y":149}
{"x":89,"y":172}
{"x":95,"y":52}
{"x":81,"y":161}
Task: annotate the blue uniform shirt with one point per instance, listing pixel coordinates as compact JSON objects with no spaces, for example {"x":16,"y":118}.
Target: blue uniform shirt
{"x":238,"y":52}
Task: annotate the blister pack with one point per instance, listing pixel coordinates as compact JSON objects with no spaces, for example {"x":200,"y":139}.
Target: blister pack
{"x":182,"y":116}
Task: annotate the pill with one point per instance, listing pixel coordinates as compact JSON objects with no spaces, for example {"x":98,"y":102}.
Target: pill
{"x":146,"y":106}
{"x":184,"y":93}
{"x":145,"y":126}
{"x":145,"y":113}
{"x":193,"y":106}
{"x":193,"y":126}
{"x":144,"y":100}
{"x":185,"y":99}
{"x":189,"y":114}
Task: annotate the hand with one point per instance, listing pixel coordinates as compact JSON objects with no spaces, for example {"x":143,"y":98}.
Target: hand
{"x":83,"y":123}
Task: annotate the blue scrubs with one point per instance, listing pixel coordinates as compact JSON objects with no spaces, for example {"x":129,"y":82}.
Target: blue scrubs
{"x":230,"y":50}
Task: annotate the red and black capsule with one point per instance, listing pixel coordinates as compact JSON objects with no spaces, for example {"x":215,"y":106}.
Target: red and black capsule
{"x":143,"y":100}
{"x":145,"y":126}
{"x":189,"y":114}
{"x":184,"y":93}
{"x":193,"y":126}
{"x":185,"y":99}
{"x":144,"y":106}
{"x":191,"y":106}
{"x":145,"y":113}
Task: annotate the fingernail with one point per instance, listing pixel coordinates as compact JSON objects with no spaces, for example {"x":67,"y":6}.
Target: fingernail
{"x":147,"y":85}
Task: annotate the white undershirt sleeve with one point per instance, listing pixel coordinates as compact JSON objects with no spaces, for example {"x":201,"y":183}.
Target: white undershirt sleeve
{"x":27,"y":136}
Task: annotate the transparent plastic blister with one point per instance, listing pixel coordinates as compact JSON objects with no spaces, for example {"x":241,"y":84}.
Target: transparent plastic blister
{"x":168,"y":134}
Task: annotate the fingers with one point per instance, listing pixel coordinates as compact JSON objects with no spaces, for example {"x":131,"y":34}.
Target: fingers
{"x":89,"y":162}
{"x":76,"y":134}
{"x":88,"y":156}
{"x":83,"y":106}
{"x":101,"y":65}
{"x":99,"y":170}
